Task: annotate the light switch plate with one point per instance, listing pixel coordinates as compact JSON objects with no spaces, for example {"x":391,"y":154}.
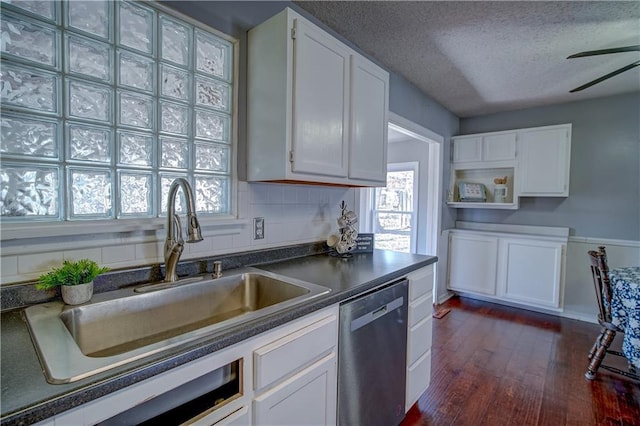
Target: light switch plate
{"x":258,"y":228}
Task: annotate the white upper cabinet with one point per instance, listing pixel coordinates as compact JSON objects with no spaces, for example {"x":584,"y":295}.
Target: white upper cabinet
{"x":499,"y":147}
{"x":317,"y":110}
{"x":544,"y":161}
{"x":467,"y":149}
{"x":535,"y":161}
{"x":369,"y":117}
{"x":489,"y":147}
{"x":321,"y":97}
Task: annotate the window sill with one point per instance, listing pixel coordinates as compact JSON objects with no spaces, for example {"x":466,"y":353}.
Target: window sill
{"x":21,"y":231}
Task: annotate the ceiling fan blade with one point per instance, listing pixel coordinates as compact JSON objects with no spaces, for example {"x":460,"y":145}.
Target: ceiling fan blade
{"x":604,"y":77}
{"x":635,"y":48}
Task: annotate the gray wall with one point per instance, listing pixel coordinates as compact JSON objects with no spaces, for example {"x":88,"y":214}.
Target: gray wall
{"x":604,"y":194}
{"x":407,"y":101}
{"x":237,"y":17}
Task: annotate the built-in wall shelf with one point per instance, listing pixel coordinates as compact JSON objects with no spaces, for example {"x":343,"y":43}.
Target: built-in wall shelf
{"x":475,"y":205}
{"x":484,"y":176}
{"x":535,"y":162}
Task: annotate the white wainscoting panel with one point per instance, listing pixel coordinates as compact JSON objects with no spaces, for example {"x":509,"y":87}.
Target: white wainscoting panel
{"x":579,"y":294}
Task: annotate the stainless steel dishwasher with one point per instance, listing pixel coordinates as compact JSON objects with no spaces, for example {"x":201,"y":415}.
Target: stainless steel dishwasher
{"x":372,"y":354}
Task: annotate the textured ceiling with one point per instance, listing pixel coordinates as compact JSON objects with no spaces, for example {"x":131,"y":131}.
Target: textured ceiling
{"x":480,"y":57}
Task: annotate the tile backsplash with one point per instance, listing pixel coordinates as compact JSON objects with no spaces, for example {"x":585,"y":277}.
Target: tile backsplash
{"x":293,"y":214}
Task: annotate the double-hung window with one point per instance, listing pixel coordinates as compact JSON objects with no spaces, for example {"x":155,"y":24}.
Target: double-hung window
{"x":394,"y":209}
{"x":105,"y":103}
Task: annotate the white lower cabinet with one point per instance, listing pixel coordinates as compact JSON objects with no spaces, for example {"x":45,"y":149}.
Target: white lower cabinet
{"x":293,"y":352}
{"x":528,"y":270}
{"x":130,"y":405}
{"x":239,"y":417}
{"x":419,"y":341}
{"x":473,"y":260}
{"x":531,"y":271}
{"x":419,"y":334}
{"x":418,"y":379}
{"x":307,"y":398}
{"x":287,"y":375}
{"x":295,"y":377}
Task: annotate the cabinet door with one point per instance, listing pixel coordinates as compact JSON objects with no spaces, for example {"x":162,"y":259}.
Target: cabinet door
{"x":320,"y":102}
{"x":419,"y":334}
{"x":531,"y":271}
{"x":421,"y":282}
{"x":239,"y":417}
{"x":369,"y":111}
{"x":292,"y":352}
{"x":307,"y":398}
{"x":467,"y":149}
{"x":418,"y":379}
{"x":473,"y":262}
{"x":419,"y":339}
{"x":499,"y":147}
{"x":544,"y":162}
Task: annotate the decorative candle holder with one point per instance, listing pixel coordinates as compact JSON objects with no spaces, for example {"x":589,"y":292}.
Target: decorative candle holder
{"x":345,"y":241}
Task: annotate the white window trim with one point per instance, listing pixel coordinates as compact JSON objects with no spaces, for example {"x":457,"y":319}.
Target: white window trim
{"x":369,"y":194}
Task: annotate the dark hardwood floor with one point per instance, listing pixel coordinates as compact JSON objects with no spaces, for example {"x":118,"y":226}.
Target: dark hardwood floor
{"x":497,"y":365}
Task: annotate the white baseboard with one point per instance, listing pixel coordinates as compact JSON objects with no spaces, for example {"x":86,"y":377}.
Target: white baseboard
{"x":444,"y":297}
{"x":580,"y":316}
{"x":549,"y":311}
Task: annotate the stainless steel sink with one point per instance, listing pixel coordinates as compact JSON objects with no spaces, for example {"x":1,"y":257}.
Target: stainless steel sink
{"x":122,"y":326}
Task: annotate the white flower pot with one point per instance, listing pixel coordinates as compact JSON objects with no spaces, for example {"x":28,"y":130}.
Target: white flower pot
{"x":77,"y":294}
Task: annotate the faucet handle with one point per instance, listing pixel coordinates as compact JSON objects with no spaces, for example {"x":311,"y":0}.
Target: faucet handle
{"x":217,"y":269}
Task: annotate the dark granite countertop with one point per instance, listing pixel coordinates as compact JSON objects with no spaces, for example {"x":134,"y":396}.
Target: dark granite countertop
{"x":27,"y":398}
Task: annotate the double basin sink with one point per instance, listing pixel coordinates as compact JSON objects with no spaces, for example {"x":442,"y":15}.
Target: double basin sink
{"x":122,"y":326}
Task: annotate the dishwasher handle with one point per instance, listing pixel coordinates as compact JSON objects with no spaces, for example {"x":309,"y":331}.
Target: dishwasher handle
{"x":377,"y":313}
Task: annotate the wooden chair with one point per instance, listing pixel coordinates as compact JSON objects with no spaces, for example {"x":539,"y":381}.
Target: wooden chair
{"x":600,"y":273}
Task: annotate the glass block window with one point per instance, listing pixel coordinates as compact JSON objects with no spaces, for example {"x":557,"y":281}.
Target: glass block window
{"x":104,"y":104}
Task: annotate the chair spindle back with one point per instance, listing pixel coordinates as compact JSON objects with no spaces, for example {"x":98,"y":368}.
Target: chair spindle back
{"x":601,"y":282}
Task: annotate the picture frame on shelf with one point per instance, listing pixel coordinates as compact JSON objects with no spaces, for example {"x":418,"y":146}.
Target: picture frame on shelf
{"x":472,"y":192}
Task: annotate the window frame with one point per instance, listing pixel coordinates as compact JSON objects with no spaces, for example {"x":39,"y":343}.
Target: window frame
{"x":37,"y":227}
{"x":369,"y":199}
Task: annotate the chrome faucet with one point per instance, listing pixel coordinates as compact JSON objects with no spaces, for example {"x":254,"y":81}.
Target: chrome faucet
{"x":174,"y":245}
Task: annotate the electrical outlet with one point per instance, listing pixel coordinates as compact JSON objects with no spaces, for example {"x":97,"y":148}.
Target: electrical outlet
{"x":258,"y":228}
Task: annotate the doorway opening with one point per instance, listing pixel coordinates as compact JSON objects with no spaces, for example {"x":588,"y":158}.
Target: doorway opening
{"x":405,"y":216}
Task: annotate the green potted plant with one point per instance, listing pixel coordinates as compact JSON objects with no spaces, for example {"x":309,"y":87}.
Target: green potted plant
{"x":75,"y":279}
